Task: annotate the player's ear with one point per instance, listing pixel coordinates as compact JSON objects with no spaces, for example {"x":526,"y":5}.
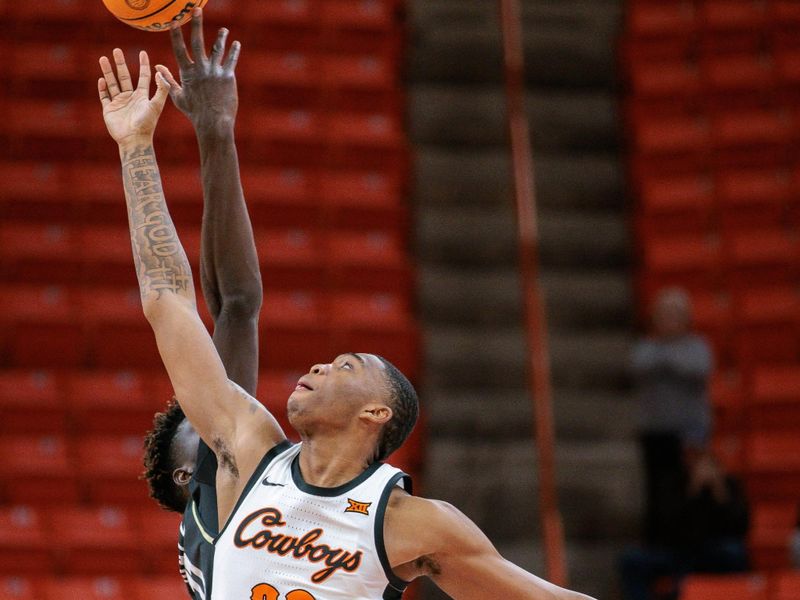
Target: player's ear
{"x":377,"y":414}
{"x":181,"y":476}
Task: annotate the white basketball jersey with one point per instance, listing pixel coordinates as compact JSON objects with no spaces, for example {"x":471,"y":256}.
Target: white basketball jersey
{"x":289,"y":540}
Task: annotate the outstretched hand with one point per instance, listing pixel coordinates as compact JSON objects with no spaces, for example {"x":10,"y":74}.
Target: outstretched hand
{"x":207,"y":90}
{"x":129,"y":112}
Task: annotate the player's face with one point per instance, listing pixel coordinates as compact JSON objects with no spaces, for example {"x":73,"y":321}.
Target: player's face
{"x":184,"y":449}
{"x":335,"y":393}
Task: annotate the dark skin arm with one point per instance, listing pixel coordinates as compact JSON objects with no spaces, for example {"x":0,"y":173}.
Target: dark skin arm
{"x":229,"y":272}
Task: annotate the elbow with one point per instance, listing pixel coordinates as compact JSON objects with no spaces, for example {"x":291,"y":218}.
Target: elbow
{"x":245,"y":304}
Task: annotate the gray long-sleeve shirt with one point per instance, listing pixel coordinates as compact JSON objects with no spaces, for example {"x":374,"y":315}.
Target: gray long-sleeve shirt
{"x":672,"y":378}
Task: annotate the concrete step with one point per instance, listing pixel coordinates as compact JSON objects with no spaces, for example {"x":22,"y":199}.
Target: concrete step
{"x":566,"y":43}
{"x":575,"y":299}
{"x":476,"y":236}
{"x":497,"y":357}
{"x":561,"y":120}
{"x":482,"y":177}
{"x":489,"y":414}
{"x":494,"y":482}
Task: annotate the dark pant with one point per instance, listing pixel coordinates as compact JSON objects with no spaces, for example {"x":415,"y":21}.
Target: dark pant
{"x":640,"y":567}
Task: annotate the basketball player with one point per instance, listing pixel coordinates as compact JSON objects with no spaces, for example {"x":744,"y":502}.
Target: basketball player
{"x":180,"y":468}
{"x":323,"y":519}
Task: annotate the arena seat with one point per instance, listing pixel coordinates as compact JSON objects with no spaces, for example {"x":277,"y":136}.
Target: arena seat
{"x":31,"y":403}
{"x":88,"y":588}
{"x":25,"y":547}
{"x":109,"y":402}
{"x":661,"y":19}
{"x":159,"y":536}
{"x":753,"y":198}
{"x":160,"y":588}
{"x":771,"y":526}
{"x":35,"y":191}
{"x":109,"y":468}
{"x":37,"y":470}
{"x":739,"y":73}
{"x":772,"y":462}
{"x":96,"y":541}
{"x":14,"y":587}
{"x":672,"y":135}
{"x":44,"y":253}
{"x":363,"y":72}
{"x":724,"y":587}
{"x":683,"y":253}
{"x":294,"y":330}
{"x":786,"y":585}
{"x":753,"y":127}
{"x":284,"y":12}
{"x":732,"y":15}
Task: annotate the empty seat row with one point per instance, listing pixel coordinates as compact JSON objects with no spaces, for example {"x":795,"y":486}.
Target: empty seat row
{"x":685,"y":17}
{"x":165,"y":587}
{"x":777,"y":586}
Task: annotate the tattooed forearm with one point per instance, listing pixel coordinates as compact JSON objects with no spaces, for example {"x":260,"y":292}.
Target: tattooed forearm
{"x":161,"y":263}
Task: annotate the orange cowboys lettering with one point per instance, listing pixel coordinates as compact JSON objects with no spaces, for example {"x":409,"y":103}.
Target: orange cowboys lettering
{"x":256,"y":531}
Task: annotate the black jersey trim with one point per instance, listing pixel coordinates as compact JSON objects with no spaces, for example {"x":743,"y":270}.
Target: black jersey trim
{"x":268,"y":458}
{"x":396,"y":585}
{"x":314,"y":490}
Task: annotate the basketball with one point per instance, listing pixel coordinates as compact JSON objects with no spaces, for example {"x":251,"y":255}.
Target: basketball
{"x":153,"y":15}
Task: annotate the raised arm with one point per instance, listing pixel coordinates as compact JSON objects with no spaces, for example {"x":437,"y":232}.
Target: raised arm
{"x":237,"y":428}
{"x":229,"y":273}
{"x":432,"y":538}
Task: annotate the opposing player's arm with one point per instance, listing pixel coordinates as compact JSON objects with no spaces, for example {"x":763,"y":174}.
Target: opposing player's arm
{"x":232,"y":423}
{"x":229,"y":271}
{"x":433,"y":538}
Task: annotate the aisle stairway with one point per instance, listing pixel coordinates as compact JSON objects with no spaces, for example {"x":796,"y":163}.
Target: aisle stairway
{"x":481,"y":454}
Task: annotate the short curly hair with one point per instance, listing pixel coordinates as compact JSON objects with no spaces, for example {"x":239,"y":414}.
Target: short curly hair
{"x":159,"y":461}
{"x":405,"y":410}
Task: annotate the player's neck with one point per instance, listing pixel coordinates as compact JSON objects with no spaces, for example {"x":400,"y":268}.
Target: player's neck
{"x":331,"y":462}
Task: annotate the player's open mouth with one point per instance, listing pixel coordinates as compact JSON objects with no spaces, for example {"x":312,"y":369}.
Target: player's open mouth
{"x":301,"y":385}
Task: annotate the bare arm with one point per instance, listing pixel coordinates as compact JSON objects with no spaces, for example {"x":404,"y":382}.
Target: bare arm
{"x":229,"y":272}
{"x":433,"y":538}
{"x":229,"y":420}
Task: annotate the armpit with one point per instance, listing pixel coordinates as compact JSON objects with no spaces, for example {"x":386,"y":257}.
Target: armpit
{"x":225,"y":458}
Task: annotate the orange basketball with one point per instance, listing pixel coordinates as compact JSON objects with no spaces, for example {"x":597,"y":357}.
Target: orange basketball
{"x":153,"y":15}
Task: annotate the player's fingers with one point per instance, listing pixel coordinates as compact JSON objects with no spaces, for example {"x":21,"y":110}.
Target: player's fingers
{"x":162,"y":91}
{"x":233,"y":56}
{"x":198,"y":44}
{"x":218,"y":50}
{"x":179,"y":47}
{"x":167,"y":74}
{"x":108,"y":74}
{"x":102,"y":90}
{"x":144,"y":72}
{"x":123,"y":75}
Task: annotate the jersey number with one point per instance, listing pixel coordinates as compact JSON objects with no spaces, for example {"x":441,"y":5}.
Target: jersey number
{"x":264,"y":591}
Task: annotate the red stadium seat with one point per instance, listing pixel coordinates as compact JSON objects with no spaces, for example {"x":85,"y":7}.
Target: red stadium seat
{"x":117,"y":332}
{"x":786,"y":586}
{"x":96,"y":541}
{"x":772,"y":462}
{"x":727,"y":399}
{"x":752,"y":198}
{"x":724,"y":587}
{"x":672,"y":135}
{"x":284,"y":12}
{"x":377,"y":130}
{"x":281,"y":197}
{"x":739,"y":73}
{"x":45,"y":253}
{"x":771,"y":526}
{"x":110,"y":402}
{"x":35,"y":191}
{"x":671,"y":204}
{"x":25,"y":547}
{"x":109,"y":468}
{"x":294,"y":330}
{"x":368,"y":261}
{"x":87,"y":588}
{"x":37,"y":469}
{"x":360,"y":72}
{"x":665,"y":78}
{"x":775,"y":397}
{"x":290,"y":258}
{"x":31,"y":402}
{"x":761,"y":257}
{"x":160,"y":588}
{"x":97,"y":187}
{"x":290,"y":68}
{"x":376,"y":311}
{"x":732,"y":14}
{"x":158,"y":530}
{"x":275,"y":387}
{"x":14,"y":587}
{"x":755,"y":127}
{"x":682,"y":254}
{"x":661,"y":19}
{"x":372,"y":15}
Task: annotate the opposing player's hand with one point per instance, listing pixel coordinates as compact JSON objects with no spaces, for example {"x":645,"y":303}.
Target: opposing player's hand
{"x":128,"y":112}
{"x":207,"y":89}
